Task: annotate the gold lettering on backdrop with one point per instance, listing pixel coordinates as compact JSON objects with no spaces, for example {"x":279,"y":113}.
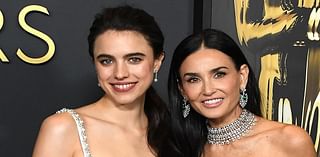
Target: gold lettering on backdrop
{"x":313,"y":25}
{"x":306,"y":115}
{"x":315,"y":109}
{"x":274,"y":20}
{"x":51,"y":46}
{"x":284,"y":111}
{"x":3,"y":57}
{"x":312,"y":93}
{"x":270,"y":71}
{"x":308,"y":3}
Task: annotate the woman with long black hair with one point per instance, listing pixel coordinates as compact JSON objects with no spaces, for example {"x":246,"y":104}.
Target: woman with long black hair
{"x":215,"y":104}
{"x":130,"y":119}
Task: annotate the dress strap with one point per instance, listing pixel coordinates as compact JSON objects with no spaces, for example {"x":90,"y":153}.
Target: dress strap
{"x":81,"y":130}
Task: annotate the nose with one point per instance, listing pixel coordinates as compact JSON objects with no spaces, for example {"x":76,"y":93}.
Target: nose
{"x":208,"y":87}
{"x":121,"y":71}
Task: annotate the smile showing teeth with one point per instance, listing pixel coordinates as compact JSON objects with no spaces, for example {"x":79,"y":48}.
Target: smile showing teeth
{"x":123,"y":87}
{"x":212,"y":101}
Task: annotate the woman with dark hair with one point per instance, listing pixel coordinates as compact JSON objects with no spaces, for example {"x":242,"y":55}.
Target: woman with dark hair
{"x":126,"y":46}
{"x":214,"y":102}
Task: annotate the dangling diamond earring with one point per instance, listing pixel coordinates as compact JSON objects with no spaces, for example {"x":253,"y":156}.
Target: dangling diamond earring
{"x":155,"y":78}
{"x":185,"y":107}
{"x":243,"y":98}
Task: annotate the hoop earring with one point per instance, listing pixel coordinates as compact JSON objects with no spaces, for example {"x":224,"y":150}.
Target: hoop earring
{"x":243,"y":98}
{"x":155,"y":76}
{"x":185,"y":107}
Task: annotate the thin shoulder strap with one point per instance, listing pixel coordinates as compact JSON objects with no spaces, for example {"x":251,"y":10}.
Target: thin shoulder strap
{"x":81,"y":131}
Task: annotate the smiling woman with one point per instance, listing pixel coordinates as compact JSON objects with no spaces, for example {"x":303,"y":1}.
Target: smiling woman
{"x":125,"y":71}
{"x":215,"y":104}
{"x":126,"y":46}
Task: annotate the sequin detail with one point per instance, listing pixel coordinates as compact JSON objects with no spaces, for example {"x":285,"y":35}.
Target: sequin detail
{"x":81,"y":130}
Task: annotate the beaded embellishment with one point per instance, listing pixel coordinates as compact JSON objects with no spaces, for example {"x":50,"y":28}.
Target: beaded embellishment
{"x":81,"y":130}
{"x":233,"y":131}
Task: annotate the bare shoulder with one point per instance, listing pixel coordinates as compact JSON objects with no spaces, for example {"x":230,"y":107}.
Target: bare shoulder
{"x":60,"y":123}
{"x":281,"y":129}
{"x":297,"y":141}
{"x":295,"y":133}
{"x":57,"y":131}
{"x":297,"y":136}
{"x":293,"y":140}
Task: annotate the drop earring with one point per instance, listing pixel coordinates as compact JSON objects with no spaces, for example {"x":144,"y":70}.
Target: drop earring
{"x":155,"y":77}
{"x":185,"y":107}
{"x":243,"y":98}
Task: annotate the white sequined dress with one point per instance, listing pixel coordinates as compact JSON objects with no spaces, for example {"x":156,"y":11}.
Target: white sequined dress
{"x":81,"y":130}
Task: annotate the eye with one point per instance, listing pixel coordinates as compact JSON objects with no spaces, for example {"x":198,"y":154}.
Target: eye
{"x":135,"y":60}
{"x":106,"y":61}
{"x":193,"y":79}
{"x":219,"y":74}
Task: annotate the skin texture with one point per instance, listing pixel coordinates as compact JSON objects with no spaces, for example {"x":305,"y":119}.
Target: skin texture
{"x":116,"y":124}
{"x":211,"y":84}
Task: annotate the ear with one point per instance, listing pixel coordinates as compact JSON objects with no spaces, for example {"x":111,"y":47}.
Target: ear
{"x":244,"y":74}
{"x":158,"y":62}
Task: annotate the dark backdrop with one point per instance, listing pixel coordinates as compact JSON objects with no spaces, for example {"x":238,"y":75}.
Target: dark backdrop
{"x":30,"y":92}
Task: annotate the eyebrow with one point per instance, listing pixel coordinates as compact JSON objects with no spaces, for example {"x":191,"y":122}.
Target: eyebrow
{"x":134,"y":54}
{"x":104,"y":56}
{"x":126,"y":56}
{"x":211,"y":71}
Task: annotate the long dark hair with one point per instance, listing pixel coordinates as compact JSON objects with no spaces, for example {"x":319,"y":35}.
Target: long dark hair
{"x":127,"y":18}
{"x":191,"y":133}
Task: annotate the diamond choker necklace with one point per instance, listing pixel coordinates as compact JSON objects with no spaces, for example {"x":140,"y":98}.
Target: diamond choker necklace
{"x":233,"y":131}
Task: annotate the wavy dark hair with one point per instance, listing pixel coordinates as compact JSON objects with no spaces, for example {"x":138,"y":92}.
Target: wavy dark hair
{"x":190,"y":133}
{"x":127,"y":18}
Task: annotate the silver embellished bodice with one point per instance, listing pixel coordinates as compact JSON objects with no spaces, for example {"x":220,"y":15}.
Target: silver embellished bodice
{"x":81,"y":131}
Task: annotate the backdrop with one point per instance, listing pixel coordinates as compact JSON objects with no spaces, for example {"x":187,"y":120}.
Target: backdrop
{"x":45,"y":65}
{"x":281,"y":40}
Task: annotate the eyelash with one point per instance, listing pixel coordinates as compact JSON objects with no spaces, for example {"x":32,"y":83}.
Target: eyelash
{"x":135,"y":60}
{"x":106,"y":61}
{"x":193,"y":79}
{"x":219,"y":74}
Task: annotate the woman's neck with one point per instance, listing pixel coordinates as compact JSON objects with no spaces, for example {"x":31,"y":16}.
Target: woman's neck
{"x":226,"y":119}
{"x":126,"y":115}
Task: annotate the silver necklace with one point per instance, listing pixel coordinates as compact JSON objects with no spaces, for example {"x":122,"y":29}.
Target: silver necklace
{"x":233,"y":131}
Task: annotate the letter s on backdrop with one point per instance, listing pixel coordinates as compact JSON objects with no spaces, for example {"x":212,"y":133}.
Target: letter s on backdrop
{"x":51,"y":46}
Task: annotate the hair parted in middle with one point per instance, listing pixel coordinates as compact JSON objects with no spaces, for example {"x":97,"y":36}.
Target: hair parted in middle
{"x":192,"y":129}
